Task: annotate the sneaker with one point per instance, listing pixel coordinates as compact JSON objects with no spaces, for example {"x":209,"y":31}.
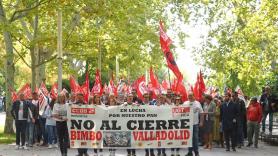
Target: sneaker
{"x":50,"y":146}
{"x":17,"y":147}
{"x":256,"y":146}
{"x":20,"y":147}
{"x":234,"y":149}
{"x":25,"y":148}
{"x":56,"y":146}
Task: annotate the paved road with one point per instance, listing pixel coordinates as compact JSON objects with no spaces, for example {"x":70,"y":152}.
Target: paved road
{"x":263,"y":150}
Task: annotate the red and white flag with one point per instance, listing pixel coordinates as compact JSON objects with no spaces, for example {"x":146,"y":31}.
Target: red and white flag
{"x":26,"y":90}
{"x":112,"y":88}
{"x":54,"y":91}
{"x":44,"y":89}
{"x":97,"y":89}
{"x":74,"y":86}
{"x":141,"y":87}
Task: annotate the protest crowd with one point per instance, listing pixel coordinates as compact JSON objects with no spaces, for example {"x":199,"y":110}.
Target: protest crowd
{"x":218,"y":121}
{"x":223,"y":121}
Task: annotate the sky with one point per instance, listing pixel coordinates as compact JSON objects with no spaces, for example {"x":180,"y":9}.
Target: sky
{"x":184,"y":58}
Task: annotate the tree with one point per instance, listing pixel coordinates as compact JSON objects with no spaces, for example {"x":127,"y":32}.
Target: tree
{"x":242,"y":42}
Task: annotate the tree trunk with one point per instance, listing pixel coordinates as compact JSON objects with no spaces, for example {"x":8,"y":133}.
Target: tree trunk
{"x":9,"y":69}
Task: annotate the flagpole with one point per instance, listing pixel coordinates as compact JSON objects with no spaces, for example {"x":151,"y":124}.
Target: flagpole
{"x":169,"y":78}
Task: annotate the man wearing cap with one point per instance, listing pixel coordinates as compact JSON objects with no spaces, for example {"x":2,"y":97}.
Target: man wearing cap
{"x":254,"y":117}
{"x":80,"y":101}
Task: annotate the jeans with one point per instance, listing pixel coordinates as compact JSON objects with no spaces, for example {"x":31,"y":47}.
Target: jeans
{"x":63,"y":136}
{"x":52,"y":134}
{"x":195,"y":140}
{"x":131,"y":151}
{"x":270,"y":124}
{"x":82,"y":151}
{"x":20,"y":126}
{"x":30,"y":133}
{"x":43,"y":131}
{"x":253,"y":128}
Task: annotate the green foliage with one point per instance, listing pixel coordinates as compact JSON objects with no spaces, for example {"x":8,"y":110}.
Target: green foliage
{"x":241,"y":48}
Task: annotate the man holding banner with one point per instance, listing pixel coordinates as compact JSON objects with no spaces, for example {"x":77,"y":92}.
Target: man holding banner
{"x":198,"y":110}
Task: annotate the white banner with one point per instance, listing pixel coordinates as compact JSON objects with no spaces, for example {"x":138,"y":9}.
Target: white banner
{"x":130,"y":126}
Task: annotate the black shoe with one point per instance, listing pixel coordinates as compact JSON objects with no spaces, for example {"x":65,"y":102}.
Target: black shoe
{"x":189,"y":154}
{"x":256,"y":146}
{"x":228,"y":150}
{"x":249,"y":144}
{"x":234,"y":149}
{"x":239,"y":146}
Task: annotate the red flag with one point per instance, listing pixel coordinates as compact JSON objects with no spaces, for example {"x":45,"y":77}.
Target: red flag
{"x":180,"y":89}
{"x":155,"y":86}
{"x":174,"y":85}
{"x":86,"y":89}
{"x":202,"y":86}
{"x":54,"y":91}
{"x":74,"y":86}
{"x":165,"y":42}
{"x":196,"y":88}
{"x":26,"y":90}
{"x":164,"y":86}
{"x":97,"y":86}
{"x":14,"y":96}
{"x":141,"y":87}
{"x":42,"y":101}
{"x":44,"y":89}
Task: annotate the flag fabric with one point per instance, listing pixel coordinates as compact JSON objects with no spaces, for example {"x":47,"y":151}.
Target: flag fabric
{"x":164,"y":86}
{"x":74,"y":86}
{"x":86,"y":88}
{"x":165,"y":43}
{"x":196,"y":88}
{"x":97,"y":89}
{"x":26,"y":90}
{"x":202,"y":86}
{"x":141,"y":87}
{"x":44,"y":89}
{"x":112,"y":88}
{"x":54,"y":91}
{"x":154,"y":84}
{"x":42,"y":101}
{"x":180,"y":89}
{"x":14,"y":96}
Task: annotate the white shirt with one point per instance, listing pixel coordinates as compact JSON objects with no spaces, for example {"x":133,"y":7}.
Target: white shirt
{"x":197,"y":109}
{"x":61,"y":110}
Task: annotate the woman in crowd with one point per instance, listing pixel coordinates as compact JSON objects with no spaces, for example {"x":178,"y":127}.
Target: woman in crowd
{"x":217,"y":132}
{"x":51,"y":125}
{"x":60,"y":115}
{"x":209,"y":111}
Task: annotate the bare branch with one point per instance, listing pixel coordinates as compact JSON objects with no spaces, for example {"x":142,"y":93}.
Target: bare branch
{"x":22,"y":58}
{"x":46,"y":61}
{"x":23,"y":12}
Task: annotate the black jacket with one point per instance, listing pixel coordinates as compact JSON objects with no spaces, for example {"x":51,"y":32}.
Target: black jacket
{"x":15,"y":109}
{"x":241,"y":110}
{"x":228,"y":114}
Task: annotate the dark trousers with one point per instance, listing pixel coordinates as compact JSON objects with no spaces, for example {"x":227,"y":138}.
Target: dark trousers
{"x":42,"y":122}
{"x":63,"y":136}
{"x":131,"y":151}
{"x":82,"y":151}
{"x":230,"y":134}
{"x":161,"y":151}
{"x":20,"y":126}
{"x":149,"y":152}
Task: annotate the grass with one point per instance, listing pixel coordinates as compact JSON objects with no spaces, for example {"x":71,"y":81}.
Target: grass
{"x":7,"y":138}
